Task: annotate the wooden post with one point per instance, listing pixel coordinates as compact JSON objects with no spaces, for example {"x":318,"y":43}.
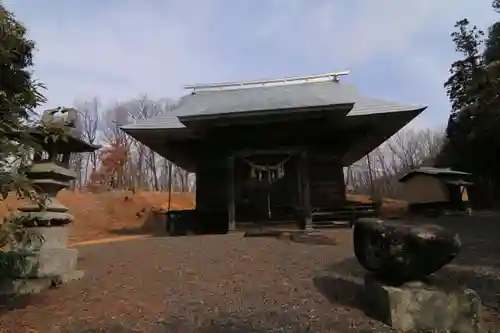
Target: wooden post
{"x":300,"y":185}
{"x":170,"y":227}
{"x":306,"y":191}
{"x":370,"y":175}
{"x":231,"y":213}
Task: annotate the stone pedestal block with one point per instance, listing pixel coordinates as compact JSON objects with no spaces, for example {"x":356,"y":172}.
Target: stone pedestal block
{"x":423,"y":306}
{"x":40,"y":270}
{"x":51,"y":238}
{"x":40,"y":264}
{"x":49,"y":262}
{"x":36,"y":285}
{"x":46,"y":262}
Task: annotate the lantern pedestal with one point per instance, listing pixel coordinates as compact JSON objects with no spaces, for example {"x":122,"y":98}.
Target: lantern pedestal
{"x":46,"y":261}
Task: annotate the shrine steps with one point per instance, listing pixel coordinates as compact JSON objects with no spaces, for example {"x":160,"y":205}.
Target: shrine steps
{"x":341,"y":218}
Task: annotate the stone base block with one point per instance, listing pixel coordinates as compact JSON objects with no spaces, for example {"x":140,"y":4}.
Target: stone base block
{"x":52,"y":237}
{"x":41,"y":264}
{"x":36,"y":285}
{"x":423,"y":306}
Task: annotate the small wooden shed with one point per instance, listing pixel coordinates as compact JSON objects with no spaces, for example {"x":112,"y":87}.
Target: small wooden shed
{"x":436,"y":189}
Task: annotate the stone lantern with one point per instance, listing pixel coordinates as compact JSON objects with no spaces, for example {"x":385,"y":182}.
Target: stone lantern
{"x":48,"y":261}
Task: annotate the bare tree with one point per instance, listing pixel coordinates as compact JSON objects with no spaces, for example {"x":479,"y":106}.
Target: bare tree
{"x":412,"y":147}
{"x":405,"y":150}
{"x":89,"y":121}
{"x":142,"y":109}
{"x":142,"y":167}
{"x":112,"y":136}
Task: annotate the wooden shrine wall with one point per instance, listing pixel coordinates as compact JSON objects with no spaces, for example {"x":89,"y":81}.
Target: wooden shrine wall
{"x":286,"y":192}
{"x":326,"y":180}
{"x":327,"y":188}
{"x":212,"y":190}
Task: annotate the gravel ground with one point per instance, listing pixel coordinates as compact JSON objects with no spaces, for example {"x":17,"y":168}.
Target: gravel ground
{"x":223,"y":283}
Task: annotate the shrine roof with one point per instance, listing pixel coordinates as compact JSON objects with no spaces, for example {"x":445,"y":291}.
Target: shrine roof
{"x":266,"y":98}
{"x":278,"y":97}
{"x":262,"y":100}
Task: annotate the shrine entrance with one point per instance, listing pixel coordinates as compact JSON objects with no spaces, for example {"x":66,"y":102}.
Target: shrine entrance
{"x":267,"y":187}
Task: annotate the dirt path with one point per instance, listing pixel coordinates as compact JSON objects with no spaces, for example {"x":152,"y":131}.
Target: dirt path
{"x":186,"y":284}
{"x":223,"y":283}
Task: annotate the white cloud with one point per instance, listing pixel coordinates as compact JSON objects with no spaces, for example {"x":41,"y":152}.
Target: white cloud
{"x":131,"y":50}
{"x":350,"y":32}
{"x":120,"y":51}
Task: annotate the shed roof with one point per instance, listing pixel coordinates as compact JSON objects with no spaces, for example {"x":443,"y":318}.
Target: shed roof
{"x":434,"y":172}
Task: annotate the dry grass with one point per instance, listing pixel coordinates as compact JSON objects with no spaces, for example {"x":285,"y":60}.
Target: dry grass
{"x":96,"y":215}
{"x":389,"y":208}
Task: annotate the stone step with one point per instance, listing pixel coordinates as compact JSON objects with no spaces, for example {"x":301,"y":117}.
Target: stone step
{"x":331,"y":224}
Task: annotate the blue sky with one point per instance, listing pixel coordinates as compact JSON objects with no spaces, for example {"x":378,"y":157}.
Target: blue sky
{"x":117,"y":50}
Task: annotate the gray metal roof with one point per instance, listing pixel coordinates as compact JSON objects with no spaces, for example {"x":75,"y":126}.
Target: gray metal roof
{"x":365,"y":106}
{"x":218,"y":102}
{"x":166,"y":121}
{"x":267,"y":98}
{"x":276,"y":98}
{"x":434,"y":171}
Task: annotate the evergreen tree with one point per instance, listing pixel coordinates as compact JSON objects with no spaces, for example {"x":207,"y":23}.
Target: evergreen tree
{"x":487,"y":115}
{"x":473,"y":88}
{"x":461,"y":88}
{"x":492,"y":44}
{"x":19,"y":96}
{"x":19,"y":92}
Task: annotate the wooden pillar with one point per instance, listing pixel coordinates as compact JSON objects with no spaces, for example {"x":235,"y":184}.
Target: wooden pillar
{"x":306,"y":191}
{"x":231,"y":213}
{"x":300,"y":186}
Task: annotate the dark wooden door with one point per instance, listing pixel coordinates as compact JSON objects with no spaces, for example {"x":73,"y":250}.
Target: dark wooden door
{"x":265,"y":197}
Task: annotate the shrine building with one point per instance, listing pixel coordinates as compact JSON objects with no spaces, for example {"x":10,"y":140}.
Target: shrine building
{"x":271,"y":151}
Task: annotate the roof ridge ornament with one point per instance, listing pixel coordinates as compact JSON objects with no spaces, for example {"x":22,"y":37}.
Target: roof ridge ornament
{"x":267,"y":83}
